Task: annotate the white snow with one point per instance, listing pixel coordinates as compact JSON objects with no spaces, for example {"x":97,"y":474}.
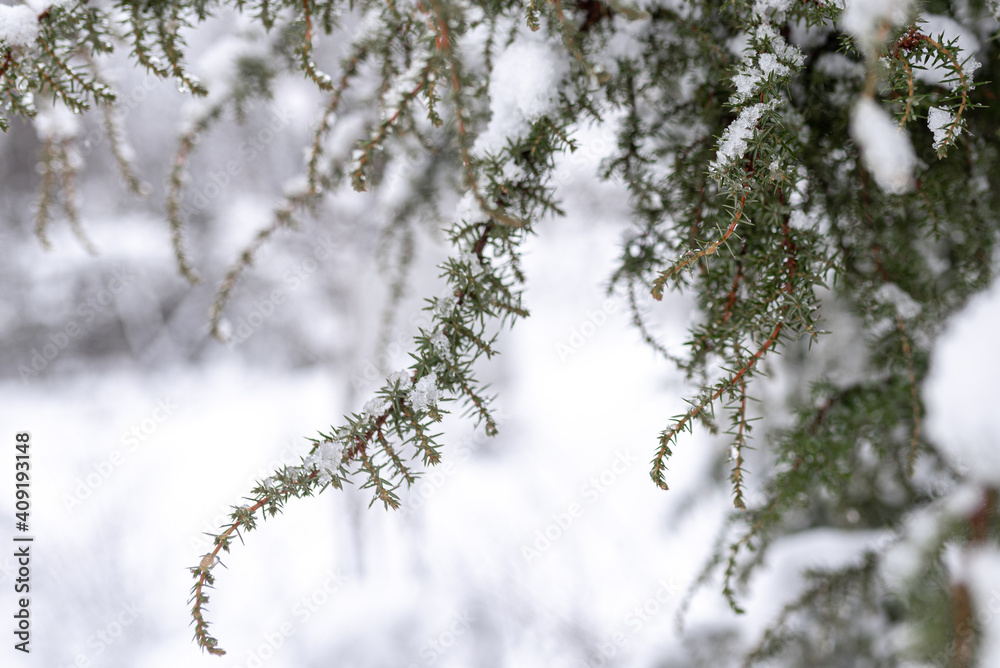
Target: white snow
{"x":782,"y":580}
{"x":39,"y":6}
{"x":788,"y":53}
{"x":524,"y":87}
{"x":326,"y":459}
{"x":961,"y":390}
{"x":219,"y":69}
{"x":840,"y":66}
{"x":401,"y":378}
{"x":56,"y":121}
{"x":404,"y":85}
{"x":867,"y":19}
{"x":425,"y":393}
{"x":895,"y":296}
{"x":441,"y":345}
{"x":983,"y":571}
{"x":947,"y":29}
{"x":734,"y":140}
{"x":885,"y":147}
{"x":777,"y":8}
{"x":18,"y":25}
{"x":751,"y":76}
{"x":375,"y":407}
{"x":939,"y":121}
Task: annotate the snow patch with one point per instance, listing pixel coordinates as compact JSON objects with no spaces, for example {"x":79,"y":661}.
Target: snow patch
{"x":375,"y":407}
{"x":523,"y":87}
{"x":983,"y":572}
{"x":18,"y":25}
{"x":868,"y":20}
{"x":895,"y":296}
{"x":960,"y":390}
{"x":425,"y":393}
{"x":885,"y":147}
{"x":940,"y":121}
{"x":783,"y":580}
{"x":326,"y":460}
{"x":944,"y":74}
{"x":776,"y":8}
{"x":56,"y":121}
{"x":400,"y":378}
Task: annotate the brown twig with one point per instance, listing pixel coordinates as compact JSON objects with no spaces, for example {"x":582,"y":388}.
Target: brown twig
{"x":667,"y":436}
{"x":694,"y":256}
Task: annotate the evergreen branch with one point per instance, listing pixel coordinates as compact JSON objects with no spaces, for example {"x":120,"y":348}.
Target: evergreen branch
{"x":323,"y":128}
{"x":910,"y":368}
{"x":375,"y":480}
{"x":531,"y":16}
{"x":175,"y":216}
{"x":115,"y":133}
{"x":236,"y":270}
{"x":480,"y":406}
{"x":431,"y":457}
{"x":640,"y":324}
{"x":46,"y":191}
{"x":693,"y":256}
{"x":908,"y":110}
{"x":119,"y":150}
{"x":439,"y":18}
{"x":955,"y":125}
{"x":397,"y":463}
{"x":169,"y":43}
{"x":914,"y":393}
{"x":67,"y":182}
{"x":8,"y":59}
{"x":321,"y":79}
{"x":95,"y":88}
{"x":736,"y":476}
{"x":669,"y":435}
{"x":283,"y":218}
{"x":569,"y":33}
{"x":363,"y":156}
{"x":139,"y":49}
{"x":764,"y":518}
{"x":395,"y":412}
{"x":65,"y":95}
{"x":204,"y":579}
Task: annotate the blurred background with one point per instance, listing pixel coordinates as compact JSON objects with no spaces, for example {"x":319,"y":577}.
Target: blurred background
{"x":547,"y":545}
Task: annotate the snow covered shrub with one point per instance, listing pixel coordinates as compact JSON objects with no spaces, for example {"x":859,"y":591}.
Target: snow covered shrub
{"x":789,"y":162}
